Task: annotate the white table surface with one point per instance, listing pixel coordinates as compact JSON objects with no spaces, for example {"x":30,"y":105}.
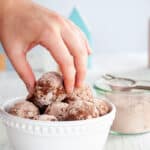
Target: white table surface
{"x":11,"y":86}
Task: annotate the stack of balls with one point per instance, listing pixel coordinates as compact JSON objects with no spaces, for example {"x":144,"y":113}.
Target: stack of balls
{"x":50,"y":102}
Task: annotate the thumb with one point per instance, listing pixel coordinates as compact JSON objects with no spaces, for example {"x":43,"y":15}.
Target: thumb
{"x":18,"y":59}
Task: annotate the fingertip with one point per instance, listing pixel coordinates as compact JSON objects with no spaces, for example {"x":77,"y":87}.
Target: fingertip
{"x":30,"y":87}
{"x":69,"y":80}
{"x":69,"y":89}
{"x":81,"y":67}
{"x":79,"y":83}
{"x":69,"y":83}
{"x":80,"y":78}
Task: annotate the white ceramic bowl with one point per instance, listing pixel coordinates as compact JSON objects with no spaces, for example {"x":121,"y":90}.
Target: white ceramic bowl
{"x":25,"y":134}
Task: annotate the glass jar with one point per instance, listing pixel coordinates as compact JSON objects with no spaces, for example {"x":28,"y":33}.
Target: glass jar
{"x":133,"y":109}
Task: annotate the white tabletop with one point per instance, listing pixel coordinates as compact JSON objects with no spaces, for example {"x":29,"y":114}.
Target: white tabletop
{"x":114,"y":142}
{"x":11,"y":86}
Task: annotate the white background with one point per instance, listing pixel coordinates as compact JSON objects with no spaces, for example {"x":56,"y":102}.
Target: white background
{"x":116,"y":25}
{"x":119,"y":29}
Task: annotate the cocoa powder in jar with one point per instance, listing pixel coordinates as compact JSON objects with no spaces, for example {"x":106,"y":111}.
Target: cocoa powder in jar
{"x":133,"y":111}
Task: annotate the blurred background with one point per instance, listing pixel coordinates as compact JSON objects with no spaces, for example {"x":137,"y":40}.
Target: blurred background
{"x":119,"y":31}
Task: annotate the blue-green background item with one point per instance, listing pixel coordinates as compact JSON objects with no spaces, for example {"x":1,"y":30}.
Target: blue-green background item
{"x":78,"y":20}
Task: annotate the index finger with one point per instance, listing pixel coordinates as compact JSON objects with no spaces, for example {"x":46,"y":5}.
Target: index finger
{"x":78,"y":50}
{"x":62,"y":56}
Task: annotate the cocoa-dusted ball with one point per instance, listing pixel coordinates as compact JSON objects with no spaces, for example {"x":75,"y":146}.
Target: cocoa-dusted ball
{"x":57,"y":109}
{"x":45,"y":117}
{"x":83,"y":93}
{"x":81,"y":110}
{"x":101,"y":106}
{"x":48,"y":88}
{"x":24,"y":109}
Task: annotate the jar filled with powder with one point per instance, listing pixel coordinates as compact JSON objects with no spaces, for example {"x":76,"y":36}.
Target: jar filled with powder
{"x":133,"y":108}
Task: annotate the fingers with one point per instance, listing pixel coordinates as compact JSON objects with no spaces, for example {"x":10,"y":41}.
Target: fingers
{"x":18,"y":60}
{"x":62,"y":56}
{"x":82,"y":35}
{"x":78,"y":50}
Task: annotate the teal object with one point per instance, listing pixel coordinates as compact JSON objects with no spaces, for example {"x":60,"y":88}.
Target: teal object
{"x":79,"y":21}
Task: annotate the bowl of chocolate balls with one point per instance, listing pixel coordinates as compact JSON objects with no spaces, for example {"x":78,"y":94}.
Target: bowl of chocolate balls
{"x":51,"y":119}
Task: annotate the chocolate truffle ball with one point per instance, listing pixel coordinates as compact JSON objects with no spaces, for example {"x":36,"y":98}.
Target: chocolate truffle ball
{"x":24,"y":109}
{"x":81,"y":110}
{"x":57,"y":109}
{"x":45,"y":117}
{"x":83,"y":93}
{"x":48,"y":88}
{"x":101,"y":106}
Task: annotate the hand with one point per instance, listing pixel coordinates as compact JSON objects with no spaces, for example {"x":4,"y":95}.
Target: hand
{"x":24,"y":24}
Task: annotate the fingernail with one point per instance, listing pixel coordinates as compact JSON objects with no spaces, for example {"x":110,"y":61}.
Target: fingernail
{"x":79,"y":84}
